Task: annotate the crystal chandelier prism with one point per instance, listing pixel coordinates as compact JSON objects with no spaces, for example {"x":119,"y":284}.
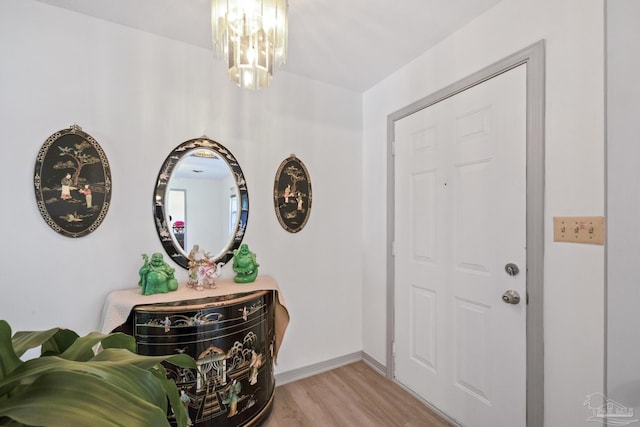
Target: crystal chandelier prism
{"x":251,"y":36}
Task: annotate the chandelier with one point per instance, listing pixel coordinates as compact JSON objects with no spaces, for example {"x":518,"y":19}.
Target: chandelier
{"x":251,"y":36}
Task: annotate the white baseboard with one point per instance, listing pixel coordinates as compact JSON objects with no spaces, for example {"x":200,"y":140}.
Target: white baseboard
{"x":318,"y":368}
{"x":382,"y":369}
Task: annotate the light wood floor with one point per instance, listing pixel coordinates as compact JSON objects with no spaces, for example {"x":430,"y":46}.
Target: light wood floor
{"x":353,"y":395}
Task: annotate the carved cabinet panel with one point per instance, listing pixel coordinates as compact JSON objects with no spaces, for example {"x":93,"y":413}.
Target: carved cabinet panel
{"x":232,"y":339}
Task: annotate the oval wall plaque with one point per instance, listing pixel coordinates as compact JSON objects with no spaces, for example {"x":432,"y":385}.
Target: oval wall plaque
{"x":72,"y":182}
{"x":292,"y":194}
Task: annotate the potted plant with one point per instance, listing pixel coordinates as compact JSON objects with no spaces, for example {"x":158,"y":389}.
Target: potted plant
{"x":71,"y":385}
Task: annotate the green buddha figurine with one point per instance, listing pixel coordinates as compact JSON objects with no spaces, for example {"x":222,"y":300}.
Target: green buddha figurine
{"x":156,"y":276}
{"x":245,"y":265}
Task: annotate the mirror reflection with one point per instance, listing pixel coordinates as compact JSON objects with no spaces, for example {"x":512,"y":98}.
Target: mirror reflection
{"x":202,"y":195}
{"x":201,"y":199}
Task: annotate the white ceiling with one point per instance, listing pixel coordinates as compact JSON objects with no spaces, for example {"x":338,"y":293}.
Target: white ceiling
{"x":349,"y":43}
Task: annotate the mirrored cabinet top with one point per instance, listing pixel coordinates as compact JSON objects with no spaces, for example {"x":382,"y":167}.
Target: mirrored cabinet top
{"x":200,"y":199}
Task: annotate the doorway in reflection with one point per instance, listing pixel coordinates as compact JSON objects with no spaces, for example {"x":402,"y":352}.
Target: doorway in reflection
{"x":177,"y":210}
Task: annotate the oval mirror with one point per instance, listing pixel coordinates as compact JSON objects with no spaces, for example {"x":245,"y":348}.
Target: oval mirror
{"x":200,"y":199}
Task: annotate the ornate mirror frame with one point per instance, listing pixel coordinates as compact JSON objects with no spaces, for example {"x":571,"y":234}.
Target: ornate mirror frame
{"x":160,"y":195}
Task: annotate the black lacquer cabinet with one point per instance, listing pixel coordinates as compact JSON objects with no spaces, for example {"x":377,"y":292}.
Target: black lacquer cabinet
{"x":231,"y":337}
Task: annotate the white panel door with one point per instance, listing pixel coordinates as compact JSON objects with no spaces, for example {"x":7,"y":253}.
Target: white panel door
{"x":460,"y":218}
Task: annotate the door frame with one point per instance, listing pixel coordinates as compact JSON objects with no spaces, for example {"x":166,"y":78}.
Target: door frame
{"x":534,"y":57}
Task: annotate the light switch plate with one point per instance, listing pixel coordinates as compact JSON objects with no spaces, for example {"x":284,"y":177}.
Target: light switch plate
{"x":579,"y":229}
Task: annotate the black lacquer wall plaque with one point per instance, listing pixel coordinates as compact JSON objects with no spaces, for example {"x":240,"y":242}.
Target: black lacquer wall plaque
{"x":72,"y":182}
{"x":292,"y":194}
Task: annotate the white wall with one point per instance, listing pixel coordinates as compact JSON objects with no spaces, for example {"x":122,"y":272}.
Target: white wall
{"x":623,"y":203}
{"x":574,"y":174}
{"x":140,"y":96}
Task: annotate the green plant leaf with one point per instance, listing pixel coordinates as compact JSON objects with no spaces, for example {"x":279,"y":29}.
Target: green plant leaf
{"x":144,"y":362}
{"x":119,"y":340}
{"x":82,"y":348}
{"x":126,"y":376}
{"x":171,"y":391}
{"x":59,"y":342}
{"x":8,"y":358}
{"x":61,"y":398}
{"x":8,"y":422}
{"x":70,"y":386}
{"x":26,"y":340}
